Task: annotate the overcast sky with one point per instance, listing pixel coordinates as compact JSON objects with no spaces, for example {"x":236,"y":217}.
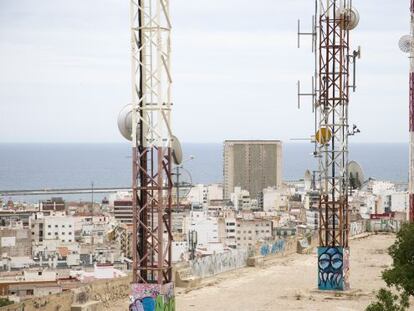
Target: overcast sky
{"x":64,"y":70}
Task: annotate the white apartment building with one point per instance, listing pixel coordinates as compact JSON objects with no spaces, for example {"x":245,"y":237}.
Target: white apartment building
{"x":206,"y":227}
{"x":54,"y":227}
{"x":312,"y":219}
{"x":179,"y":250}
{"x":251,"y":231}
{"x":203,"y":194}
{"x":198,"y":195}
{"x":240,"y":199}
{"x":214,"y":192}
{"x":275,"y":199}
{"x":399,"y":202}
{"x":227,"y":231}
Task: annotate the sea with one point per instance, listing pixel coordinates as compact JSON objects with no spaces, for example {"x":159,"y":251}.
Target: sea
{"x":51,"y":166}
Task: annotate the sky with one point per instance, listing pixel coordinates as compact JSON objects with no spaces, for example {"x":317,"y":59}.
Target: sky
{"x":65,"y":70}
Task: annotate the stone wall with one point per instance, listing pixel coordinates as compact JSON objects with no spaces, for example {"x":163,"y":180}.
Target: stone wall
{"x":57,"y":302}
{"x":105,"y":291}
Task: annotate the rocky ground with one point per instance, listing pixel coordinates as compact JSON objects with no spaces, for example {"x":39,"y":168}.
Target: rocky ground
{"x":290,"y":284}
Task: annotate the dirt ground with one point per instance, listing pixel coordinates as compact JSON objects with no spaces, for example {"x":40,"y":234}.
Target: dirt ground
{"x":290,"y":284}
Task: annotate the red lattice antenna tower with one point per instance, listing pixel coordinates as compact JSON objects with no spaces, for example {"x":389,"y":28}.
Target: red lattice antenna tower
{"x":406,"y":44}
{"x":331,"y":36}
{"x":147,"y":123}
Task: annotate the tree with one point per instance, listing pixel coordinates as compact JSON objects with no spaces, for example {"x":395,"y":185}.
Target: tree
{"x":387,"y":301}
{"x":5,"y":302}
{"x":400,"y":275}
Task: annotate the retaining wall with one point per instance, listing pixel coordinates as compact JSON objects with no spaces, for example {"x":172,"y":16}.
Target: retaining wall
{"x":219,"y":263}
{"x":383,"y":225}
{"x":104,"y":291}
{"x":278,"y":247}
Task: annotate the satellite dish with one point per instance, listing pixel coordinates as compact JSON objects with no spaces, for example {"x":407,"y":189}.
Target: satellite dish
{"x":177,"y":152}
{"x":405,"y":43}
{"x":308,"y":180}
{"x":355,"y":175}
{"x":323,"y":135}
{"x":125,"y":122}
{"x":350,"y":16}
{"x":185,"y":183}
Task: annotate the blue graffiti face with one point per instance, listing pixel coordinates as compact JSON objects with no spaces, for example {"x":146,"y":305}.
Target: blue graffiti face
{"x":330,"y":263}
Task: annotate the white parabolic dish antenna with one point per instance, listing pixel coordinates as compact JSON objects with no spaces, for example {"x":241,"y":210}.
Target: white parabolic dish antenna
{"x":405,"y":43}
{"x":177,"y":152}
{"x":125,"y":127}
{"x":125,"y":122}
{"x":308,"y":180}
{"x":356,"y":175}
{"x":351,"y":16}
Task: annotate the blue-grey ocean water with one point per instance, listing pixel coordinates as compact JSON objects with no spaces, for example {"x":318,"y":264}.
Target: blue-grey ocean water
{"x":39,"y":166}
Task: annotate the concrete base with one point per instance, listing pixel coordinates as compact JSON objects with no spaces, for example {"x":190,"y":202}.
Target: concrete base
{"x":88,"y":306}
{"x":185,"y":279}
{"x":333,"y":268}
{"x":152,"y":297}
{"x":257,"y":261}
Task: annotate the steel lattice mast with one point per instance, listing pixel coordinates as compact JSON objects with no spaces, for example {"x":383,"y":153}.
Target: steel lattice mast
{"x":411,"y":119}
{"x":332,"y":83}
{"x":332,"y":120}
{"x":406,"y":44}
{"x":151,"y":149}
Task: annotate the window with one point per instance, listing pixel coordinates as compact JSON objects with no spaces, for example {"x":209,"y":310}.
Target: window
{"x":49,"y":226}
{"x":33,"y":233}
{"x":56,"y":226}
{"x":49,"y":233}
{"x":39,"y":273}
{"x":70,"y":233}
{"x":63,"y":233}
{"x":56,"y":233}
{"x":69,"y":240}
{"x":63,"y":226}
